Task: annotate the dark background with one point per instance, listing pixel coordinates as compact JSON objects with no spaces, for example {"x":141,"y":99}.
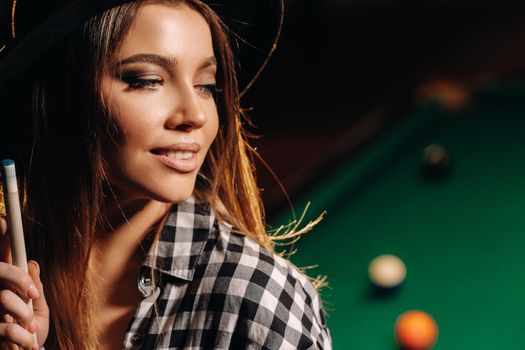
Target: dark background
{"x":346,"y":71}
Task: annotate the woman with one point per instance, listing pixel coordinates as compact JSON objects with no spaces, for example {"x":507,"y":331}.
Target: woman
{"x":143,"y":217}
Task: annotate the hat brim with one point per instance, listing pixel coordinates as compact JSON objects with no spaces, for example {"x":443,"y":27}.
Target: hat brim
{"x":255,"y":27}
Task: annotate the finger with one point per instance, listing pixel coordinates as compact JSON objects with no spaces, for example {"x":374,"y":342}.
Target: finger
{"x":8,"y":346}
{"x":39,"y":304}
{"x":6,"y":319}
{"x":18,"y":281}
{"x":14,"y":333}
{"x":11,"y":304}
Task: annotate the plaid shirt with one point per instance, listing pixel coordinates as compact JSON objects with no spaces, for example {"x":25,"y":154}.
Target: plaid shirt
{"x":216,"y":289}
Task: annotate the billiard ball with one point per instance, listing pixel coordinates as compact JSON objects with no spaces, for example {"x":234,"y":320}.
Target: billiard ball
{"x":416,"y":330}
{"x":436,"y":161}
{"x":387,"y":271}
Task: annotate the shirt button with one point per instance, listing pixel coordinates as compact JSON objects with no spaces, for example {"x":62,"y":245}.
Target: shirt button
{"x":136,"y":340}
{"x":146,"y":280}
{"x":144,"y":285}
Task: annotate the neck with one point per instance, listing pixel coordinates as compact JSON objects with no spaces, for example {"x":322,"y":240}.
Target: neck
{"x":121,"y":242}
{"x":133,"y":217}
{"x":118,"y":254}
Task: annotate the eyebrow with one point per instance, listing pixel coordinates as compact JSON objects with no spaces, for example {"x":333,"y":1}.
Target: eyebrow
{"x":212,"y":61}
{"x":162,"y":61}
{"x":159,"y":60}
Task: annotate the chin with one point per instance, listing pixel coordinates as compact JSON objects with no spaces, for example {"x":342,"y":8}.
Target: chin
{"x":175,"y":192}
{"x":152,"y":185}
{"x":171,"y":197}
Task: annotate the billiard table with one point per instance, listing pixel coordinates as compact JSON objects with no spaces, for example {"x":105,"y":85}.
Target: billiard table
{"x":462,"y":236}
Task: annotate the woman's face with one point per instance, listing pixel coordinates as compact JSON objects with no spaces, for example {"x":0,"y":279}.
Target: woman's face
{"x":160,"y":93}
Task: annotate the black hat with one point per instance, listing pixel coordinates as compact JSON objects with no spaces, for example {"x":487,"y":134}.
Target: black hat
{"x":28,"y":28}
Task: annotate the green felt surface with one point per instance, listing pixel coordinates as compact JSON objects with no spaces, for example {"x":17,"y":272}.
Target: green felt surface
{"x":462,"y":239}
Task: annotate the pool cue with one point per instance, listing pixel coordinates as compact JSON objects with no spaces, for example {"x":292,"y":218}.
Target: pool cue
{"x":14,"y":219}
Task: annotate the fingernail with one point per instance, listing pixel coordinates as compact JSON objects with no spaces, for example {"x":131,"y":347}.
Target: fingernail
{"x":33,"y":292}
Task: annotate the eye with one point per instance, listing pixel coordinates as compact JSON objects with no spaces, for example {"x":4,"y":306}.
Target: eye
{"x":143,"y":82}
{"x":208,"y":90}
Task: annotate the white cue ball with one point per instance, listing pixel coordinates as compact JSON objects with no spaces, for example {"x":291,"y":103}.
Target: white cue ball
{"x":387,"y":271}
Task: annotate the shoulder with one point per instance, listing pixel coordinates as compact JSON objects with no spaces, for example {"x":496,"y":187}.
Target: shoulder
{"x":277,"y":301}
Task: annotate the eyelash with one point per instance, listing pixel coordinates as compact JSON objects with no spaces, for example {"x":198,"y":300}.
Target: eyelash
{"x":209,"y":90}
{"x":136,"y":83}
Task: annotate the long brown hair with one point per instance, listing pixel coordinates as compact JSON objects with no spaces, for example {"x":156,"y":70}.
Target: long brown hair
{"x":65,"y":173}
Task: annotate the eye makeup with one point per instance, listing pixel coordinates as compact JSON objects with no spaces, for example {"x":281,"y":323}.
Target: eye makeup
{"x":142,"y":81}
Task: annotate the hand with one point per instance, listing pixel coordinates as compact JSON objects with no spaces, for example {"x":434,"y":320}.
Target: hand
{"x":17,"y":322}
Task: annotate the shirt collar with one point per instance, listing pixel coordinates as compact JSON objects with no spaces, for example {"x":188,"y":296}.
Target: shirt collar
{"x":182,"y":239}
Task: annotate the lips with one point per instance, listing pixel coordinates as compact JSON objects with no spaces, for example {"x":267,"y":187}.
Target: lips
{"x":180,"y":157}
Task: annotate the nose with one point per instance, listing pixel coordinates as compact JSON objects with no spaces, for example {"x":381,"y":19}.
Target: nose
{"x":187,"y":112}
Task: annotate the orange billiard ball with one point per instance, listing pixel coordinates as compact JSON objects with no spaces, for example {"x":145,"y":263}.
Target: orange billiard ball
{"x":416,"y":330}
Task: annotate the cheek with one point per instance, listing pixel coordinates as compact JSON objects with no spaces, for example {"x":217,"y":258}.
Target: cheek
{"x":133,"y":123}
{"x":211,"y":129}
{"x":214,"y":126}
